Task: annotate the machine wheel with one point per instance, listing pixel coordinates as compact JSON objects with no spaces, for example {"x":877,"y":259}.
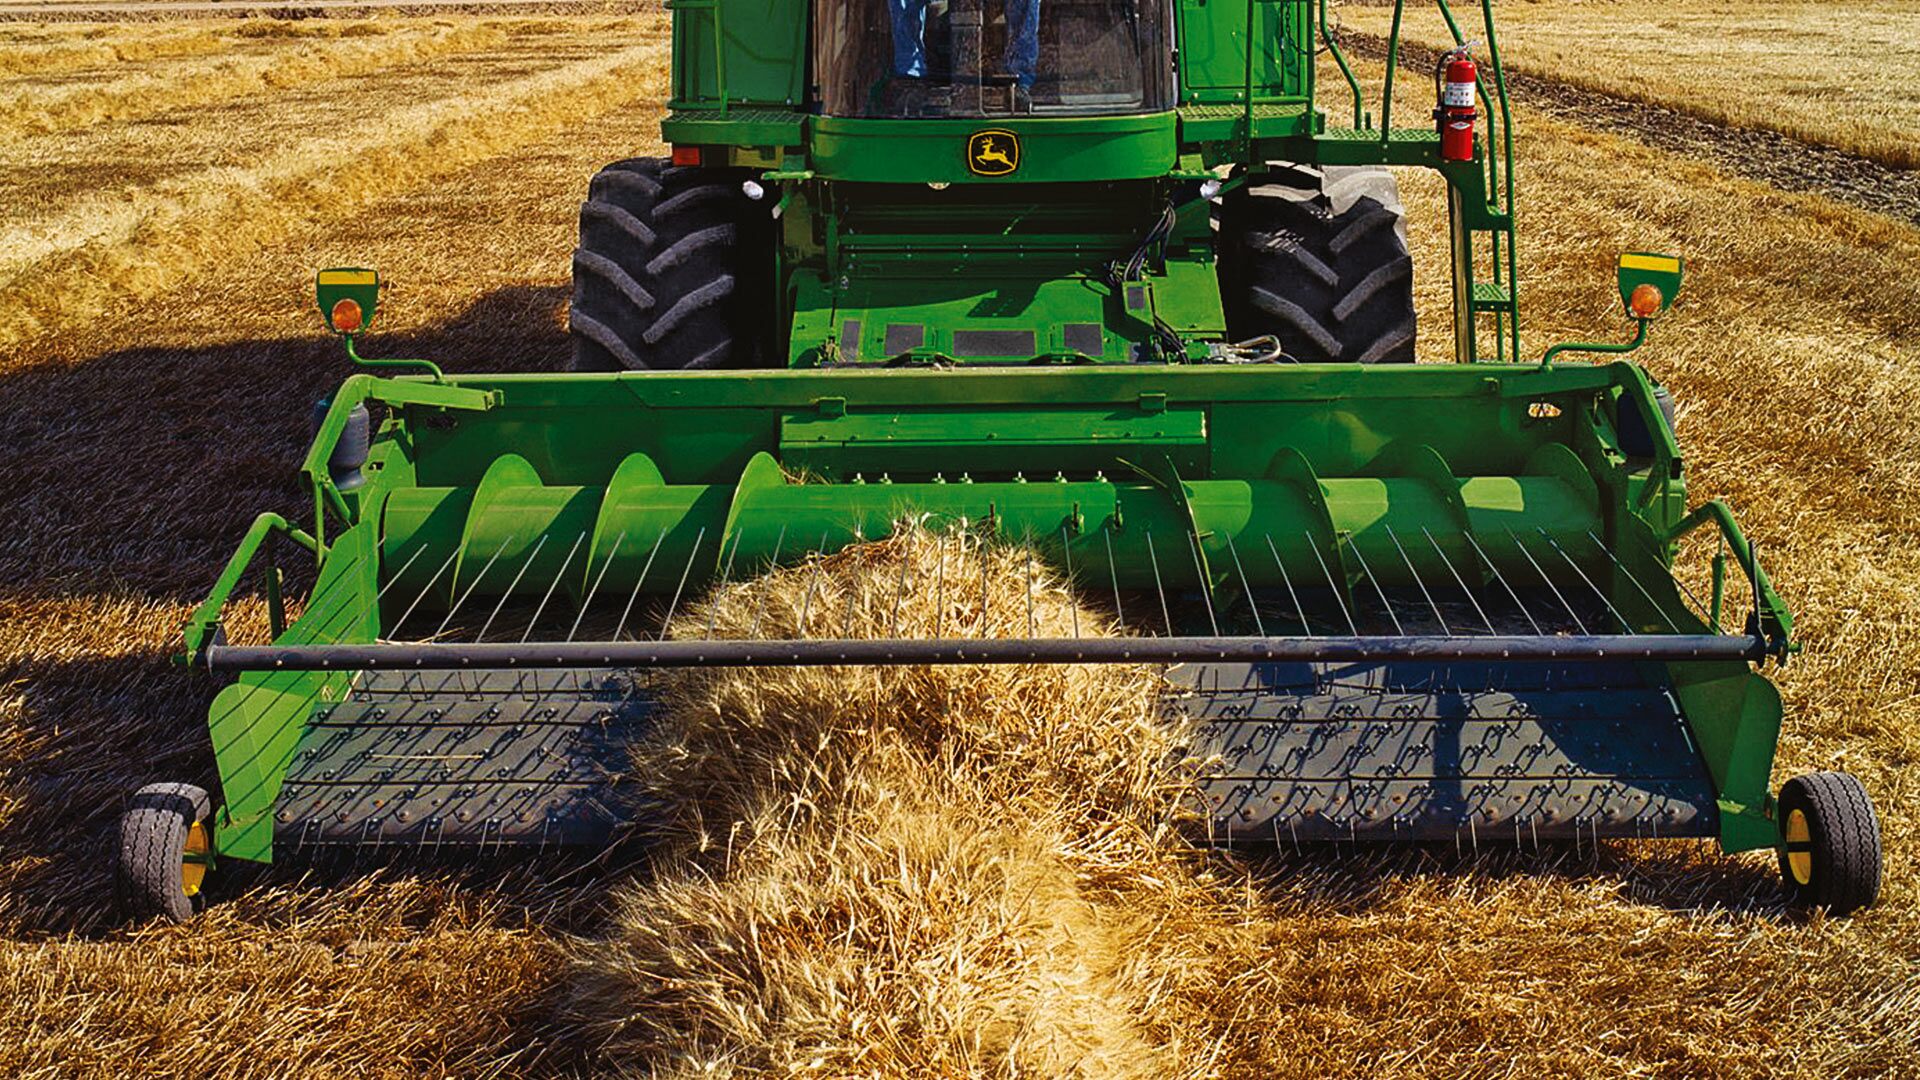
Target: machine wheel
{"x":1829,"y":842}
{"x":674,"y":270}
{"x":1318,"y":257}
{"x":166,"y":842}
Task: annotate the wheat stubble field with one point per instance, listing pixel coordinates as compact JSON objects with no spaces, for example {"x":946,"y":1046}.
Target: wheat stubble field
{"x":170,"y":186}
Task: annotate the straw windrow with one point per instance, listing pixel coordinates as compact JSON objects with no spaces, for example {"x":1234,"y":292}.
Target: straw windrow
{"x":894,"y":871}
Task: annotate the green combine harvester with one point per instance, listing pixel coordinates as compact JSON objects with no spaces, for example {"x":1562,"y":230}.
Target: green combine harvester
{"x":1096,"y":276}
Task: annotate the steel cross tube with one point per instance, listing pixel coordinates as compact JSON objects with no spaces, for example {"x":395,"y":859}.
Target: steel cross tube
{"x":814,"y":652}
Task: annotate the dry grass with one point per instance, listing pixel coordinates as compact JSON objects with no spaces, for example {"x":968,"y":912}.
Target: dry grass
{"x":1821,"y":73}
{"x":61,"y":104}
{"x":45,"y":50}
{"x":141,"y":435}
{"x":108,"y":248}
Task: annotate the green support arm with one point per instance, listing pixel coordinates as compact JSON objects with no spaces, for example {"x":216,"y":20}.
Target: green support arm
{"x":1773,"y":621}
{"x":357,"y":390}
{"x":203,"y":627}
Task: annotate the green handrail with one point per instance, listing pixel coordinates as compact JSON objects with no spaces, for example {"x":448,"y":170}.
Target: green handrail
{"x":1346,"y":69}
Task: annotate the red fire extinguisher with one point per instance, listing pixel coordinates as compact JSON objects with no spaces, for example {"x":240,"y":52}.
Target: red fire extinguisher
{"x":1456,"y":78}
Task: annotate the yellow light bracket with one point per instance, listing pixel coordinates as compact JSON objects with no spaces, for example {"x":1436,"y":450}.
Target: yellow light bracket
{"x":348,"y":296}
{"x":1649,"y":282}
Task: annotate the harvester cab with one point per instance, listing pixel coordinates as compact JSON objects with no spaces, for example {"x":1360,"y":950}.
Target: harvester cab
{"x":1105,"y":278}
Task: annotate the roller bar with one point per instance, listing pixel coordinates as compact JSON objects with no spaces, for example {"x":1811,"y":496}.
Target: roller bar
{"x":872,"y":651}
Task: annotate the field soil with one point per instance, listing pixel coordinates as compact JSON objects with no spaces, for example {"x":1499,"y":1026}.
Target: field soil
{"x":160,"y":218}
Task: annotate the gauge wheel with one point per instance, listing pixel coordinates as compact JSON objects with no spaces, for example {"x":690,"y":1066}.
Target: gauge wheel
{"x":166,"y":849}
{"x":1829,"y":843}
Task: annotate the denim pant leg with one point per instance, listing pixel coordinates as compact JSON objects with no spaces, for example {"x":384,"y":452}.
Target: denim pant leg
{"x":1023,"y":39}
{"x":909,"y":27}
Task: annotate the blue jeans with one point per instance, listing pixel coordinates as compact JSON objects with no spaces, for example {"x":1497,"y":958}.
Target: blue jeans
{"x":910,"y":27}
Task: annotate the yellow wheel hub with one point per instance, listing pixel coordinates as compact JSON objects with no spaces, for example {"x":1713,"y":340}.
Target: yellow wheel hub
{"x":193,"y":860}
{"x":1799,"y":839}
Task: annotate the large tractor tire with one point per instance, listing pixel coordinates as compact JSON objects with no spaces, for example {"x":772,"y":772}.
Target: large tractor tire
{"x":1318,"y":258}
{"x":674,"y":270}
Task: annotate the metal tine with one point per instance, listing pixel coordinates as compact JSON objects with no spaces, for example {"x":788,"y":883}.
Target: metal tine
{"x":1339,"y":596}
{"x":560,"y":575}
{"x":1706,"y":613}
{"x":331,"y":624}
{"x":1471,"y":599}
{"x":853,"y":594}
{"x":1113,"y":573}
{"x":431,"y":582}
{"x":726,"y":574}
{"x":515,"y":584}
{"x":1298,"y":608}
{"x":983,"y":586}
{"x":1382,"y":593}
{"x":1501,"y":578}
{"x":806,"y":605}
{"x":1073,"y":606}
{"x":474,"y":584}
{"x":595,"y":588}
{"x":1538,"y":569}
{"x":685,"y":572}
{"x":1259,"y":625}
{"x":899,"y":594}
{"x":1555,"y":544}
{"x":1206,"y":587}
{"x":940,"y":590}
{"x":1651,"y":602}
{"x":557,"y":578}
{"x":760,"y":608}
{"x":1417,"y":580}
{"x":1158,"y":585}
{"x":1029,"y":547}
{"x":462,"y":599}
{"x":621,"y":627}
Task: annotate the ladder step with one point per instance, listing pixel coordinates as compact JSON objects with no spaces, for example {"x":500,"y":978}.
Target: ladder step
{"x":1492,"y":296}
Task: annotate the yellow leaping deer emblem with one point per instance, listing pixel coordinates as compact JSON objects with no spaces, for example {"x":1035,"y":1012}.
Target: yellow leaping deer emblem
{"x":993,"y":153}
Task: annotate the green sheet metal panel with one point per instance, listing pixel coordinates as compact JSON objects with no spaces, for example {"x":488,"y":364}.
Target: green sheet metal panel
{"x":733,"y":52}
{"x":1073,"y":150}
{"x":255,"y":723}
{"x":1214,"y":49}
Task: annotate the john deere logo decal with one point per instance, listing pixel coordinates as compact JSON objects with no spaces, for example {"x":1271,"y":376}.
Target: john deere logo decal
{"x":993,"y":152}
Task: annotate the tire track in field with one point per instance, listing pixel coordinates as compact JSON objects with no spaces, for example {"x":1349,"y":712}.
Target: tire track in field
{"x":192,"y":83}
{"x":1770,"y":157}
{"x":116,"y":247}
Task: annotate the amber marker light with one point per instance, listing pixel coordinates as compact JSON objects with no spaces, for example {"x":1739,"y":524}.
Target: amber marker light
{"x":346,"y":318}
{"x":1645,"y":302}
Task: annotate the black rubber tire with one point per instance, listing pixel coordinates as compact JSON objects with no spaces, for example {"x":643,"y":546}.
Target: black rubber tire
{"x":674,"y":270}
{"x":153,"y":837}
{"x":1842,"y":846}
{"x":1318,"y":258}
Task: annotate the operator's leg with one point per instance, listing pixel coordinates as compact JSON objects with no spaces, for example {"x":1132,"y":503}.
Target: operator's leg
{"x":909,"y":28}
{"x":1023,"y":39}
